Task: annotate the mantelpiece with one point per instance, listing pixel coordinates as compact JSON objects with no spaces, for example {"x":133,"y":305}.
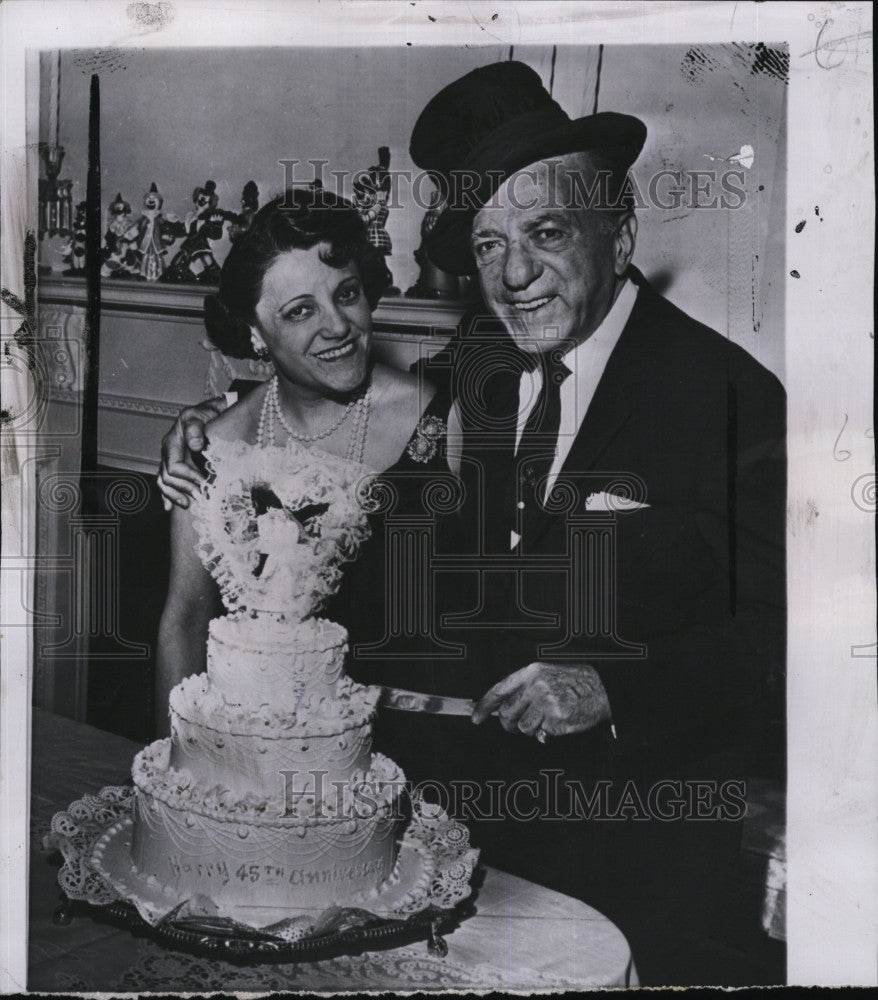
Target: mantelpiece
{"x":398,"y":314}
{"x":155,"y":358}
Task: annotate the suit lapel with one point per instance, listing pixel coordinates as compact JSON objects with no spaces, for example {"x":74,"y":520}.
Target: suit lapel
{"x":489,"y":441}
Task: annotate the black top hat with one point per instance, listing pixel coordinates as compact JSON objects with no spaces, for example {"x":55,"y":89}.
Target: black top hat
{"x":490,"y":123}
{"x":209,"y":190}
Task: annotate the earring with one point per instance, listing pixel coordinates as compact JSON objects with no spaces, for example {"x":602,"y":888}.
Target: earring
{"x":258,"y":344}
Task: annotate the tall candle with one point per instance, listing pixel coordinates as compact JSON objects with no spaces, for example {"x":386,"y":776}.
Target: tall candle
{"x":54,"y":95}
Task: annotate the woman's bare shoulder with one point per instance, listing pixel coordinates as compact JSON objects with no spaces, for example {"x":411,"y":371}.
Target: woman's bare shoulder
{"x":238,"y":422}
{"x":404,"y":392}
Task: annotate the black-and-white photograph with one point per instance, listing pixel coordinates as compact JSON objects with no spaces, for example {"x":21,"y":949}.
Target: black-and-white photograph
{"x":404,"y":502}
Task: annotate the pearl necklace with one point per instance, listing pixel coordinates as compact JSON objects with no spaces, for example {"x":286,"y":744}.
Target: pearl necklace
{"x":357,"y":445}
{"x":272,"y":412}
{"x":278,"y":413}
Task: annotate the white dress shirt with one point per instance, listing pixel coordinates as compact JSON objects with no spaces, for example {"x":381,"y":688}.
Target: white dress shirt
{"x":586,"y":362}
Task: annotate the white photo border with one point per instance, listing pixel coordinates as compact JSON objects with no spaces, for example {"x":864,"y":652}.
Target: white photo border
{"x":832,"y":838}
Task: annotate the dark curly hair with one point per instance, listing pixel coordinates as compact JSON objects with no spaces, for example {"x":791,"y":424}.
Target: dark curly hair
{"x":297,"y":220}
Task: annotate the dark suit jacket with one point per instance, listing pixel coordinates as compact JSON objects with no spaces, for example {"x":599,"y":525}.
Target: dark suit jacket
{"x":698,"y":580}
{"x":698,"y":572}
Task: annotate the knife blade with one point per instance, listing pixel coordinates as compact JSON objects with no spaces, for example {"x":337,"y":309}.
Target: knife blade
{"x":416,"y":701}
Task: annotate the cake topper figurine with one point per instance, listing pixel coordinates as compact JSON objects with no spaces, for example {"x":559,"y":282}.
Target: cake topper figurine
{"x":194,"y":261}
{"x":371,"y":195}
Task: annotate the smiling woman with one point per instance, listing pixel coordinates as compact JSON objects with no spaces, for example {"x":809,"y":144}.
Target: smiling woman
{"x":298,"y":289}
{"x":319,"y":338}
{"x":298,"y":220}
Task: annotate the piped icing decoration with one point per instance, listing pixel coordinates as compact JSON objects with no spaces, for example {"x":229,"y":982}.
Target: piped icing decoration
{"x":194,"y":699}
{"x":358,"y":797}
{"x":274,"y":661}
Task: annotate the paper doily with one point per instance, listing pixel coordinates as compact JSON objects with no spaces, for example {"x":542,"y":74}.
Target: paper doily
{"x":433,"y":872}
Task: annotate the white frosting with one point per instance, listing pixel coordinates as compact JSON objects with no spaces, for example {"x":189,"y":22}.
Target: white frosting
{"x":241,"y":853}
{"x":258,"y":659}
{"x":356,"y":796}
{"x":324,"y":740}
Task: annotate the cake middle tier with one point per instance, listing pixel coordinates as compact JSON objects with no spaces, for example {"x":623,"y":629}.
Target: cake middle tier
{"x":268,"y":752}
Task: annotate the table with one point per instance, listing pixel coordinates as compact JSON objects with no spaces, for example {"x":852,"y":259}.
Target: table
{"x":765,"y":842}
{"x":521,"y":936}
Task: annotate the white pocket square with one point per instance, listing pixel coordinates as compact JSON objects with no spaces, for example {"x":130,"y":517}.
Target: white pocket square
{"x":614,"y":502}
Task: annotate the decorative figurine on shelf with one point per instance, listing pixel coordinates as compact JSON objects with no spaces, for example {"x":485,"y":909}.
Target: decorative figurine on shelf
{"x":432,"y":283}
{"x":55,"y":210}
{"x":371,"y":193}
{"x":146,"y":242}
{"x":75,"y":256}
{"x":239,"y":224}
{"x":194,"y":261}
{"x":118,"y":224}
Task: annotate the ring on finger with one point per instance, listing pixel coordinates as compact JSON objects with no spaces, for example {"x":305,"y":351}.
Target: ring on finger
{"x":541,"y":735}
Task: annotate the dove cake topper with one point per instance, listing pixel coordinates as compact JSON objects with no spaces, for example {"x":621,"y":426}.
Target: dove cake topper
{"x":276,"y":525}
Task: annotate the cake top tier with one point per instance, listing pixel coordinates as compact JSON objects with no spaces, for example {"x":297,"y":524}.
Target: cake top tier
{"x":255,"y":659}
{"x":276,"y":524}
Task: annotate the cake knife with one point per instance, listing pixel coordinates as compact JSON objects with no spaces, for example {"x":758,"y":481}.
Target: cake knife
{"x":416,"y":701}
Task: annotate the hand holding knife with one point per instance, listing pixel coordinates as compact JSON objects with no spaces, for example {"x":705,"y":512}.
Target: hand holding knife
{"x":436,"y":704}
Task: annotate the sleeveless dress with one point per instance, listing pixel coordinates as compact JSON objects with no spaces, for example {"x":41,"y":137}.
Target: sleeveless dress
{"x":386,"y":616}
{"x":417,"y":487}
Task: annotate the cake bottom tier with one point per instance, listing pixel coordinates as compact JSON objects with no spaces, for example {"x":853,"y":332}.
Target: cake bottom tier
{"x":246,"y":854}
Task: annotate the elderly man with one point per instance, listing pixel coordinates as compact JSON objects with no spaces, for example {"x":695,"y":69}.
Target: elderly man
{"x":625,"y":480}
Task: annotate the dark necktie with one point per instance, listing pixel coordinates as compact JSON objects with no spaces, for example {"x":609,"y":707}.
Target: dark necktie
{"x":539,"y":439}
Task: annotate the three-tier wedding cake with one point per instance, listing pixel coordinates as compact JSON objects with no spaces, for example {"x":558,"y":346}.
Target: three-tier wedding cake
{"x":267,"y":794}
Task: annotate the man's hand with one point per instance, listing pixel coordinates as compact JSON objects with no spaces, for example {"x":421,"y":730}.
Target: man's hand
{"x":559,"y":699}
{"x":179,"y":479}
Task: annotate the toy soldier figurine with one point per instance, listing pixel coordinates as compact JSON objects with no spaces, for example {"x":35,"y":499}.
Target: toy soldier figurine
{"x":75,"y":258}
{"x":371,"y":192}
{"x":432,"y":283}
{"x":194,"y":261}
{"x":239,"y":224}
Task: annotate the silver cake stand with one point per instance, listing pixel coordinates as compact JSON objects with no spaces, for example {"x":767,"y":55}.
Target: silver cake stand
{"x":427,"y":893}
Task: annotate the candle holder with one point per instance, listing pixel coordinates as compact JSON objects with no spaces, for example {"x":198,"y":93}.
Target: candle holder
{"x":55,"y":211}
